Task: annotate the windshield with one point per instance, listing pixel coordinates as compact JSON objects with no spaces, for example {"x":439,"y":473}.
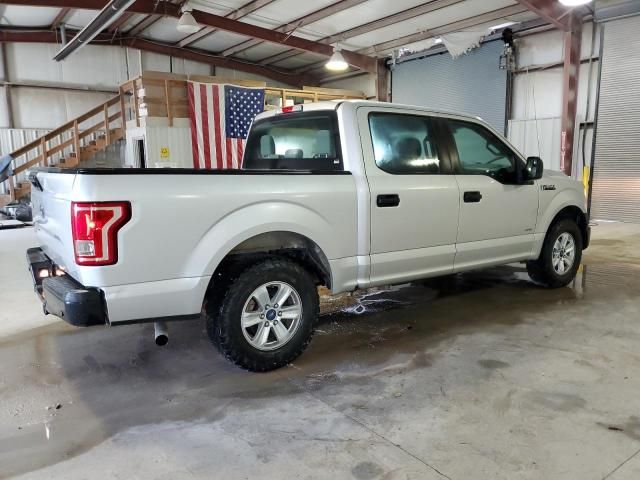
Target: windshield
{"x":297,"y":141}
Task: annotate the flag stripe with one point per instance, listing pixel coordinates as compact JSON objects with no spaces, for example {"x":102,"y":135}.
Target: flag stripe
{"x":213,"y":153}
{"x":216,"y":123}
{"x":240,"y":149}
{"x":205,"y":126}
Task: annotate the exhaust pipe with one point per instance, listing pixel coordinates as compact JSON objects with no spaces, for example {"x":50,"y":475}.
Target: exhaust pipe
{"x":161,"y":333}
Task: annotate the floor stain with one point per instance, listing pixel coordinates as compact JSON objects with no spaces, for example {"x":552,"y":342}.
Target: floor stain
{"x":491,"y":364}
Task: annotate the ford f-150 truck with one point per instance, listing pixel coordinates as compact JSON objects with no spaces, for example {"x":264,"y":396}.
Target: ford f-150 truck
{"x":347,"y":194}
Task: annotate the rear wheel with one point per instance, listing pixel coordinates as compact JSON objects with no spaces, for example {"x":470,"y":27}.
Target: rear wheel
{"x":265,"y":318}
{"x":560,"y":257}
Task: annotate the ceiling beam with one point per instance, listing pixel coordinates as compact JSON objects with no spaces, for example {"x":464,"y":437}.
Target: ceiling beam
{"x":243,"y":11}
{"x":368,"y":27}
{"x":358,"y":60}
{"x":549,"y":11}
{"x":50,"y":36}
{"x":140,"y":6}
{"x":164,"y":8}
{"x":287,"y":77}
{"x":115,"y":26}
{"x":143,"y":24}
{"x":60,"y":17}
{"x":384,"y":47}
{"x":325,"y":12}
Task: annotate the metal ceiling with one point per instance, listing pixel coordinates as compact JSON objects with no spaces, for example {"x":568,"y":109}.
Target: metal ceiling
{"x":273,"y":36}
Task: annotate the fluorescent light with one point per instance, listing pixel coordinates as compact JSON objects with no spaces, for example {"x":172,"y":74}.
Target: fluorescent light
{"x":574,"y":3}
{"x":336,"y":63}
{"x":437,"y":40}
{"x":109,"y":14}
{"x":502,"y":25}
{"x":187,"y":24}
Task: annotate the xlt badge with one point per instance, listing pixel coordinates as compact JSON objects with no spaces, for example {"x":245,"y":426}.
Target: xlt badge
{"x":548,"y":187}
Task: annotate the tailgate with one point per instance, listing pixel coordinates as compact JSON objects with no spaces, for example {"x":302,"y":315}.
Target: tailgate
{"x":51,"y":199}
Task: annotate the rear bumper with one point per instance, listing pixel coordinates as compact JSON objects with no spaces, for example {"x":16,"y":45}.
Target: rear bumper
{"x":64,"y":297}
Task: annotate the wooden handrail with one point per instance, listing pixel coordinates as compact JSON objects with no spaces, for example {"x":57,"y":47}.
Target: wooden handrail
{"x":64,"y":127}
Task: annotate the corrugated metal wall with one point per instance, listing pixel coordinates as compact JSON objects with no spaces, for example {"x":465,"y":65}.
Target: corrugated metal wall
{"x":472,"y":83}
{"x":616,"y":176}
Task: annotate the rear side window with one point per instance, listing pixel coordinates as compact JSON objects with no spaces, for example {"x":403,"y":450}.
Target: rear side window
{"x":300,"y":141}
{"x":404,"y":144}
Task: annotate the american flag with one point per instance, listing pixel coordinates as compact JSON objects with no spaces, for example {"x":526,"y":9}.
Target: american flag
{"x":220,"y":116}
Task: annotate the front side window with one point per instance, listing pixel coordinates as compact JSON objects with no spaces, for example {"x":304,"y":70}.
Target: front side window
{"x":404,"y":144}
{"x":304,"y":141}
{"x":480,"y":152}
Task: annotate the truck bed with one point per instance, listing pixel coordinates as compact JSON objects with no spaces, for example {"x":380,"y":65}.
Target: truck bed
{"x":184,"y":222}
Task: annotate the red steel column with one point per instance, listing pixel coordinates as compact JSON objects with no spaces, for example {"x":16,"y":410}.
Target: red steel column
{"x":571,"y":70}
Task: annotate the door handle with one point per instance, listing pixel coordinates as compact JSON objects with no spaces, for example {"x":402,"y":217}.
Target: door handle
{"x":389,"y":200}
{"x":472,"y":197}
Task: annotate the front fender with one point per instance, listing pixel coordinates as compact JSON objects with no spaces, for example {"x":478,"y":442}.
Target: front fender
{"x":251,"y":220}
{"x":568,"y":197}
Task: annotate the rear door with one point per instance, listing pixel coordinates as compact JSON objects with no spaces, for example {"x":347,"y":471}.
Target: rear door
{"x":498,"y":211}
{"x":414,"y":196}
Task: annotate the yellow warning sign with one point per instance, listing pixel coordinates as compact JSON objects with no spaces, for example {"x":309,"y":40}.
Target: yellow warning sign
{"x":164,"y":152}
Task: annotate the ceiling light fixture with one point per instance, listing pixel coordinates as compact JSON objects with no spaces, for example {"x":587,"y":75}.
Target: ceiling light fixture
{"x":187,"y":24}
{"x":336,"y":63}
{"x":109,"y":14}
{"x":574,"y":3}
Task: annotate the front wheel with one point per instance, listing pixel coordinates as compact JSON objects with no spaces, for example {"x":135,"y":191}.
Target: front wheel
{"x":265,"y":318}
{"x":560,"y":257}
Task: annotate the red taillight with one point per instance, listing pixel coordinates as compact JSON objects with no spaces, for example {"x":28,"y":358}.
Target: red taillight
{"x":95,"y":228}
{"x":292,"y":108}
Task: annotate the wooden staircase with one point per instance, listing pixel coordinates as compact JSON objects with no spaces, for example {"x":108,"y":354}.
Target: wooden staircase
{"x":70,"y":144}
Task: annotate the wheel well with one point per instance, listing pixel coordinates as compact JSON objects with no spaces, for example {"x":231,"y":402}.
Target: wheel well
{"x":284,"y":244}
{"x":578,"y":216}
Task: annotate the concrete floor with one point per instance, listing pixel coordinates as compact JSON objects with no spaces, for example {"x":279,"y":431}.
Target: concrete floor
{"x":485,"y":376}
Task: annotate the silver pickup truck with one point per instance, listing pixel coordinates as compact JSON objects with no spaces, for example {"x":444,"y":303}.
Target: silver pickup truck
{"x":348,"y":195}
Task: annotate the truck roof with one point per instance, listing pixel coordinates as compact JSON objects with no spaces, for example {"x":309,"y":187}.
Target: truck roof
{"x":334,"y":104}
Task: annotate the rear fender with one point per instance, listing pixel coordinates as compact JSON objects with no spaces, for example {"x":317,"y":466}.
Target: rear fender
{"x":253,"y":220}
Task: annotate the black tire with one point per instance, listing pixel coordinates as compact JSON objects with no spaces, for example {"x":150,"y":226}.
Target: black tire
{"x":542,"y":271}
{"x":224,"y":312}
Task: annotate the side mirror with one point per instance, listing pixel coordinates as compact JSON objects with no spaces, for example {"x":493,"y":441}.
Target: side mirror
{"x":534,"y":168}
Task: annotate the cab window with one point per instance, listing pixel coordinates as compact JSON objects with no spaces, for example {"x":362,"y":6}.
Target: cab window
{"x":298,"y":141}
{"x":480,"y":152}
{"x":404,"y":144}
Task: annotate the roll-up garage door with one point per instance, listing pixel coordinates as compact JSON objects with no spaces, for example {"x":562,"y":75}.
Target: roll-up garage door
{"x":616,"y":174}
{"x":471,"y":83}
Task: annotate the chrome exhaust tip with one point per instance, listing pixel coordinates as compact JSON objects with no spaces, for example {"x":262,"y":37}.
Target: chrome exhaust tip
{"x":161,"y":333}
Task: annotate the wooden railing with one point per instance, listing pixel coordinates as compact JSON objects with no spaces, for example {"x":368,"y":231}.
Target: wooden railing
{"x":67,"y":145}
{"x":165,"y":95}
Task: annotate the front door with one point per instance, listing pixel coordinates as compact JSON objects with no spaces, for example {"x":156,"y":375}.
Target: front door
{"x":498,"y":211}
{"x":414,"y":196}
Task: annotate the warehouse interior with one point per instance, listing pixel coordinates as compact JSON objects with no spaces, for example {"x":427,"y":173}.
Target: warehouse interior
{"x":482,"y":374}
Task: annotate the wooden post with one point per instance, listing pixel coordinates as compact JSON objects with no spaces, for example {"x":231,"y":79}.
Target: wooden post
{"x":123,"y":112}
{"x":12,"y":189}
{"x":167,"y":95}
{"x":43,"y":147}
{"x":107,"y":130}
{"x":135,"y":104}
{"x":76,"y":140}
